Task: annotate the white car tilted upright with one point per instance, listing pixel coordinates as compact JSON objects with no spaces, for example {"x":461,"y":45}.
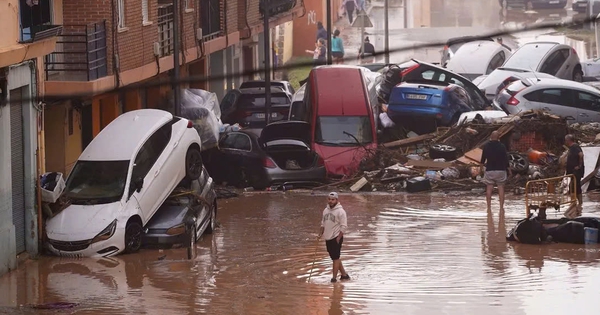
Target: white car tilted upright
{"x":120,"y":180}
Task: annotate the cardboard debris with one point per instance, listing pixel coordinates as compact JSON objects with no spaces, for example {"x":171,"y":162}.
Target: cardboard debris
{"x":472,"y":157}
{"x":359,"y":184}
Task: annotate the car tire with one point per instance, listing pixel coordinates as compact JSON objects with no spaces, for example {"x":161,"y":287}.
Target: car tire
{"x":191,"y":248}
{"x":442,"y":151}
{"x":133,"y":237}
{"x":212,"y":225}
{"x":578,"y":75}
{"x":193,"y":164}
{"x":518,"y":163}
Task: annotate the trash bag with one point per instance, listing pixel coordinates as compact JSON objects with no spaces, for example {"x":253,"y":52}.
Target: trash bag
{"x":52,"y":185}
{"x":528,"y":231}
{"x":571,"y":232}
{"x":202,"y":108}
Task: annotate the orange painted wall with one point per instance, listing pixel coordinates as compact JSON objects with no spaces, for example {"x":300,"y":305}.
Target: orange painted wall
{"x":305,"y":27}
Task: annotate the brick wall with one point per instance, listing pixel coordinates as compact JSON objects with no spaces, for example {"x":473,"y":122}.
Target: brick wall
{"x":231,"y":12}
{"x":134,"y":44}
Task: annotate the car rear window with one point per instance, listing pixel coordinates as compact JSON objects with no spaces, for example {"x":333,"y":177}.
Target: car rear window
{"x":258,"y":100}
{"x":528,"y":57}
{"x":515,"y":87}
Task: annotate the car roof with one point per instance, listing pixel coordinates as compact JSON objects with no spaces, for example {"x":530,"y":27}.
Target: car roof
{"x":263,"y":81}
{"x":335,"y":99}
{"x":121,"y":139}
{"x":474,"y":57}
{"x":261,"y":90}
{"x":560,"y":83}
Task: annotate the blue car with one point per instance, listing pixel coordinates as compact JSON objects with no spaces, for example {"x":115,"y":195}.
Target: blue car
{"x":422,"y":107}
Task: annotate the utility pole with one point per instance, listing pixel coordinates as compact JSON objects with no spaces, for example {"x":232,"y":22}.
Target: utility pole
{"x":329,"y":26}
{"x":597,"y":33}
{"x":176,"y":90}
{"x":386,"y":31}
{"x":405,"y":14}
{"x":267,"y":45}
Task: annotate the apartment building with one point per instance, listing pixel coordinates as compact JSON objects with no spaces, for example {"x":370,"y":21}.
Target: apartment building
{"x":27,"y":36}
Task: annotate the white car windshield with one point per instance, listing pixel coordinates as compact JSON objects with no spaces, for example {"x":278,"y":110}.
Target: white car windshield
{"x":96,"y":182}
{"x":343,"y":130}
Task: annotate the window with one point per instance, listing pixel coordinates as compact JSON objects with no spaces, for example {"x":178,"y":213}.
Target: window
{"x":97,"y":182}
{"x":151,"y":151}
{"x":496,"y":62}
{"x":550,"y":96}
{"x":555,"y":62}
{"x":121,"y":14}
{"x":236,"y":141}
{"x":334,"y":130}
{"x":187,"y":4}
{"x":258,"y":100}
{"x":144,"y":11}
{"x":529,"y":56}
{"x":588,"y":101}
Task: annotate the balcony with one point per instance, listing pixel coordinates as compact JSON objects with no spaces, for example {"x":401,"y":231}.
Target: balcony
{"x":35,"y":21}
{"x":211,"y":19}
{"x":80,"y":54}
{"x":165,"y":29}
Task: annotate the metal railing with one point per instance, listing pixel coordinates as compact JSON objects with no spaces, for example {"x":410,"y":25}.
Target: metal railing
{"x":165,"y":29}
{"x":80,"y":54}
{"x":211,"y":19}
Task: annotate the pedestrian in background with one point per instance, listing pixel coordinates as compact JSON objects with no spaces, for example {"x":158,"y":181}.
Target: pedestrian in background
{"x":319,"y":54}
{"x":495,"y":159}
{"x":321,"y":31}
{"x":368,"y":56}
{"x":575,"y":166}
{"x":337,"y":48}
{"x":333,"y":227}
{"x":350,"y":6}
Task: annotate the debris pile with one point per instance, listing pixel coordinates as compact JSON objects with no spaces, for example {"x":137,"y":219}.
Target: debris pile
{"x":449,"y":159}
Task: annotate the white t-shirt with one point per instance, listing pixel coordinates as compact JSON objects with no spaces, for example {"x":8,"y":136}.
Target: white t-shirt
{"x":334,"y":221}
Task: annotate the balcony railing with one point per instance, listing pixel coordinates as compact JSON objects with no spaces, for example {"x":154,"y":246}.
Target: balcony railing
{"x":165,"y":29}
{"x":211,"y":18}
{"x":80,"y":54}
{"x":35,"y":21}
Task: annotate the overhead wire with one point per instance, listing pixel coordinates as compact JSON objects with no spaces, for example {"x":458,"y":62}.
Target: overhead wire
{"x":250,"y":73}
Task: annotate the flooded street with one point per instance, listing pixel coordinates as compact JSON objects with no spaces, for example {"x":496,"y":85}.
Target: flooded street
{"x":406,"y":254}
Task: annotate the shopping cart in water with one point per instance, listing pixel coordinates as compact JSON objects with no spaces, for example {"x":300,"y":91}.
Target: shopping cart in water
{"x":543,"y":194}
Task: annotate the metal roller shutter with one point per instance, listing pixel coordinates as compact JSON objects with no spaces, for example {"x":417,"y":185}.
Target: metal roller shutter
{"x":17,"y":167}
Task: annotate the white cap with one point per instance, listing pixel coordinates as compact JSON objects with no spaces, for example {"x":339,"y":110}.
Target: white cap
{"x":333,"y":194}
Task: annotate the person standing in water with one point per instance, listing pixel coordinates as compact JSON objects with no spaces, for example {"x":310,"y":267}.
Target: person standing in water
{"x":495,"y":159}
{"x":333,"y":227}
{"x":575,"y":166}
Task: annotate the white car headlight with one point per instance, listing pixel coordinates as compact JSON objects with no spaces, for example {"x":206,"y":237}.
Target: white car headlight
{"x":107,"y":233}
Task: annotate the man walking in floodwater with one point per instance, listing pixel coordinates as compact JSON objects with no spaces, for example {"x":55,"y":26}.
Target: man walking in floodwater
{"x":495,"y":159}
{"x":333,"y":227}
{"x":575,"y":165}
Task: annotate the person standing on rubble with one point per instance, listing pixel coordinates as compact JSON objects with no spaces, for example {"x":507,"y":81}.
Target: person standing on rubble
{"x":495,"y":159}
{"x":333,"y":227}
{"x":575,"y":165}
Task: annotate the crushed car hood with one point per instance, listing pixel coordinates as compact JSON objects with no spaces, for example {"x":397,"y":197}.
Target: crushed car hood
{"x":342,"y":161}
{"x":168,"y":216}
{"x":294,"y":130}
{"x":81,"y":222}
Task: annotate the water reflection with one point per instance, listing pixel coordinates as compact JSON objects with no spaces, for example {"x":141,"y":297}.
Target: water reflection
{"x":406,"y":253}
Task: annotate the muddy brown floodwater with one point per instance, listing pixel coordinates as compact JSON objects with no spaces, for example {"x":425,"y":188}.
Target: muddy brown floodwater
{"x":407,"y":254}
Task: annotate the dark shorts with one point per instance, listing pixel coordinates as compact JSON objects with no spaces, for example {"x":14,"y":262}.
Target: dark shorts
{"x":337,"y":54}
{"x":334,"y":248}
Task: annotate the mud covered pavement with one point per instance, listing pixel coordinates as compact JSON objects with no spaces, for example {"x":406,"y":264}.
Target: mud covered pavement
{"x":407,"y":254}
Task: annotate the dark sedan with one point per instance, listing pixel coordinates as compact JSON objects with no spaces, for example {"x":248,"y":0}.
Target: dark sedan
{"x":279,"y":155}
{"x":190,"y":211}
{"x":247,"y":106}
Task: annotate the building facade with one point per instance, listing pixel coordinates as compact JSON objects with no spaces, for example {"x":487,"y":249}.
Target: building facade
{"x":27,"y":36}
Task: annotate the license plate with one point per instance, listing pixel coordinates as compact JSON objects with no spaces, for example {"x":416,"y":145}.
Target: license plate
{"x":262,"y":116}
{"x":583,"y":4}
{"x":416,"y":96}
{"x":554,"y":2}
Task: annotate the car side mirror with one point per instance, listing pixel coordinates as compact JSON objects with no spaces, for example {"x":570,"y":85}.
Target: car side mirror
{"x":138,"y":184}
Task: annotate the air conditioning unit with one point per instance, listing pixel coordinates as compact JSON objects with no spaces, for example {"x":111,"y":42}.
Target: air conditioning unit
{"x":156,"y":47}
{"x":199,"y":34}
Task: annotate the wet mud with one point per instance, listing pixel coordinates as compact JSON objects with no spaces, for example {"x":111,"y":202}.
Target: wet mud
{"x":406,"y":254}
